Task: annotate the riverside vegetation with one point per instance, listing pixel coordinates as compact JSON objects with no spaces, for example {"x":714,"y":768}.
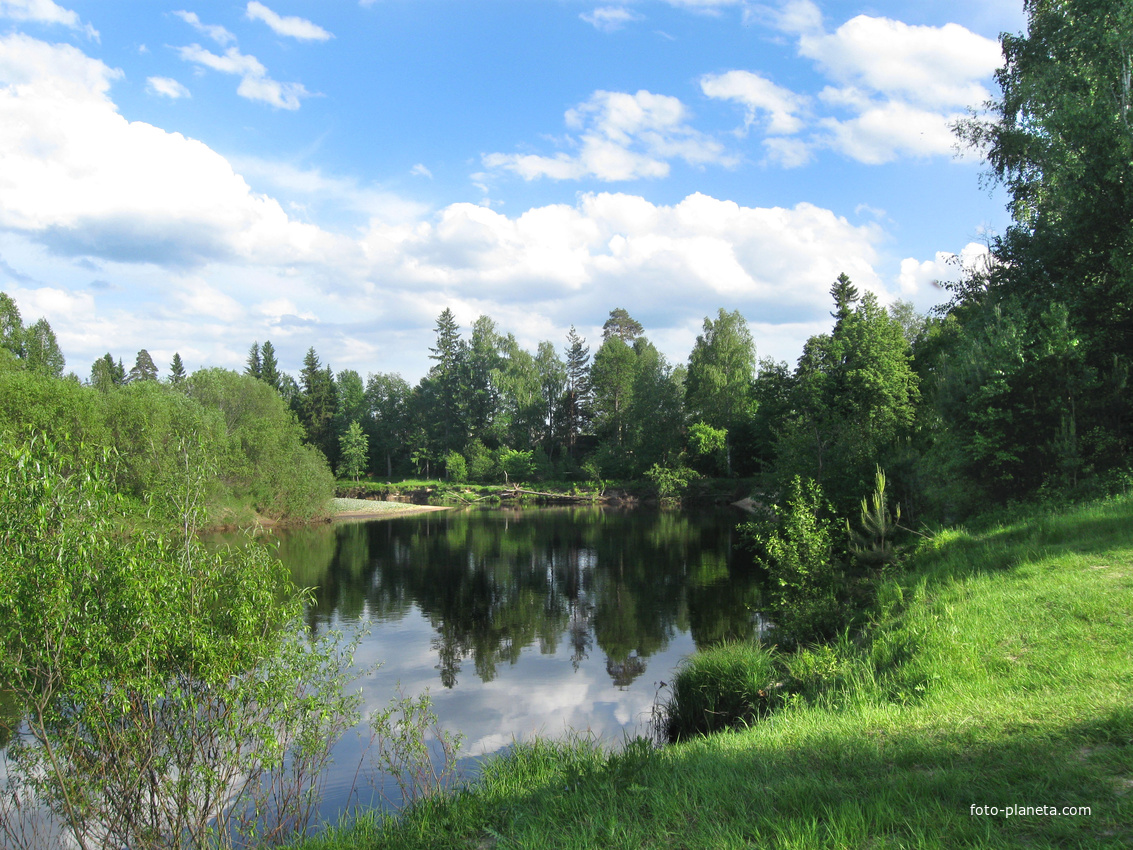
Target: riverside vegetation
{"x":921,"y":668}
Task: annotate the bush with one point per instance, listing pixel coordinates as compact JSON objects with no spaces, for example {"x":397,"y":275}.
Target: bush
{"x":456,"y":468}
{"x":799,"y":544}
{"x":726,"y":686}
{"x":171,"y":695}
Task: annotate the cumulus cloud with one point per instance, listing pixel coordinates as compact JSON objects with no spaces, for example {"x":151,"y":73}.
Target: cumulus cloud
{"x":610,"y":18}
{"x":291,"y":26}
{"x":783,"y":107}
{"x":255,"y":84}
{"x":620,"y":136}
{"x":80,"y":178}
{"x":917,"y":276}
{"x":896,"y":88}
{"x":214,"y":31}
{"x":45,"y":12}
{"x":166,"y":87}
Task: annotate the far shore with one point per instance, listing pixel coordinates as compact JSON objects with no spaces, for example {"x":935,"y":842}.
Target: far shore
{"x":369,"y":509}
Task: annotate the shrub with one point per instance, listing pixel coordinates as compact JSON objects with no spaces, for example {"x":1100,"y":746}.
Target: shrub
{"x":729,"y":685}
{"x":171,"y":695}
{"x":798,"y":544}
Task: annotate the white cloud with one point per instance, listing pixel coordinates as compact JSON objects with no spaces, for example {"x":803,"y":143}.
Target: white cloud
{"x":255,"y":84}
{"x":44,"y":12}
{"x":610,"y":18}
{"x":419,"y":170}
{"x":621,"y":136}
{"x":166,"y":87}
{"x":935,"y":67}
{"x":917,"y":277}
{"x":882,"y":133}
{"x":80,"y":178}
{"x":897,"y":88}
{"x":214,"y":31}
{"x":760,"y":96}
{"x":294,"y":27}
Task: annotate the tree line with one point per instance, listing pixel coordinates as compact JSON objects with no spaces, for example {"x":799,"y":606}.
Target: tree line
{"x":1018,"y":385}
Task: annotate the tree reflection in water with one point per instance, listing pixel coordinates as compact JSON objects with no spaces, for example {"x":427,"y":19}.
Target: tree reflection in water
{"x":494,"y":583}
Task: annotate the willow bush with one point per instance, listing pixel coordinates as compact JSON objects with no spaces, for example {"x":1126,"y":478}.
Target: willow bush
{"x":170,"y":695}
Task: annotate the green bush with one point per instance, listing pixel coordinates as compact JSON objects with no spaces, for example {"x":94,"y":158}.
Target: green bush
{"x":729,"y":685}
{"x":456,"y":468}
{"x":151,"y":669}
{"x":799,"y":545}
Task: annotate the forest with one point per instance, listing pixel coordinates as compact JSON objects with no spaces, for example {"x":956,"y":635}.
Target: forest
{"x":1016,"y":387}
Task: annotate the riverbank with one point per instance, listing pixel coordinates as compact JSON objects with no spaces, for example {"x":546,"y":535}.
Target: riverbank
{"x":370,"y":509}
{"x":996,"y":673}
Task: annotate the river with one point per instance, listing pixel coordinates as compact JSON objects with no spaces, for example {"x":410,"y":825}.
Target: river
{"x":523,"y":622}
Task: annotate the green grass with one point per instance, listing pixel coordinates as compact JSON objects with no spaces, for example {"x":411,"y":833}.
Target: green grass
{"x":998,"y":671}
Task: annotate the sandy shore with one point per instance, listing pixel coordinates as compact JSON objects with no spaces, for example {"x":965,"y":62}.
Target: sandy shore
{"x":373,"y":509}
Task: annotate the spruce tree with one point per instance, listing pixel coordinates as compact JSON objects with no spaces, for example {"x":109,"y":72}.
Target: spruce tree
{"x":254,"y":366}
{"x":176,"y":371}
{"x":269,"y":368}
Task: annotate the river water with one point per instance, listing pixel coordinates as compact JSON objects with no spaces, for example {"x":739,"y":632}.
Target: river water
{"x":523,"y":622}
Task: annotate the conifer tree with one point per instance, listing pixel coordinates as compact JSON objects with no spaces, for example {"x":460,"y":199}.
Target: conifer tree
{"x":269,"y":367}
{"x":254,"y":366}
{"x":176,"y":371}
{"x":143,"y":368}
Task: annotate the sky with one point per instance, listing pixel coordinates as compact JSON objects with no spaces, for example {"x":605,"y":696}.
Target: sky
{"x":193,"y":178}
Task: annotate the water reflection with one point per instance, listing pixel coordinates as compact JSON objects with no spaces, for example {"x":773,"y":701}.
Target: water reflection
{"x":568,"y":581}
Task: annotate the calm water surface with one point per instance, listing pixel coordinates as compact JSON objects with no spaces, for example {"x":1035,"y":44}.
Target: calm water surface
{"x":524,"y":622}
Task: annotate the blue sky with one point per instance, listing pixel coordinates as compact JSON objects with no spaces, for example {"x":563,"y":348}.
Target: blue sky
{"x":334,"y":174}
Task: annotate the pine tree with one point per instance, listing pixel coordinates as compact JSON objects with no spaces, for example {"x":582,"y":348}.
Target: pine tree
{"x":623,"y":326}
{"x":105,"y":373}
{"x":143,"y":368}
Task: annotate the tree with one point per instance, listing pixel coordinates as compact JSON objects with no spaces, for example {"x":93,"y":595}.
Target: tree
{"x":612,"y":378}
{"x":623,"y":326}
{"x":176,"y":370}
{"x":354,"y":452}
{"x":852,"y":398}
{"x":387,"y":398}
{"x":203,"y":714}
{"x":552,"y":384}
{"x":721,"y":369}
{"x":446,"y":392}
{"x":105,"y":373}
{"x":254,"y":365}
{"x":576,"y":398}
{"x":317,"y":404}
{"x":42,"y":351}
{"x":11,"y":326}
{"x":269,"y":368}
{"x":1058,"y":138}
{"x":143,"y":368}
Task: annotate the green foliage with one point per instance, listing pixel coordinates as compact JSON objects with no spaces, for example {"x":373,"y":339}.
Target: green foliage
{"x":456,"y":468}
{"x":670,"y":482}
{"x":798,"y":545}
{"x":176,"y":371}
{"x":41,"y":350}
{"x":354,"y":452}
{"x":171,"y":695}
{"x":727,"y":686}
{"x":143,"y":368}
{"x":410,"y":746}
{"x":517,"y":466}
{"x":873,"y":546}
{"x":266,"y":463}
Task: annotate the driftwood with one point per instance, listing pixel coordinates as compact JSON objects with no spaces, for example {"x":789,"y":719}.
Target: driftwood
{"x":516,"y":491}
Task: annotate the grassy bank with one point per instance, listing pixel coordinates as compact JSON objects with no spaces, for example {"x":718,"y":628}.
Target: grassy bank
{"x":998,"y":672}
